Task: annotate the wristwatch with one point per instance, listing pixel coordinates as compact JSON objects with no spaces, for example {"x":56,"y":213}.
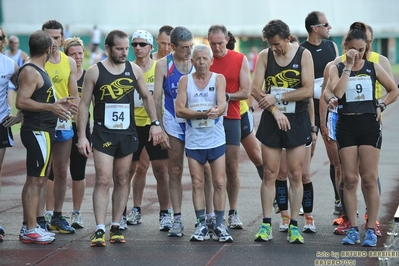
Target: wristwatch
{"x":314,"y":129}
{"x":278,"y":97}
{"x":155,"y":123}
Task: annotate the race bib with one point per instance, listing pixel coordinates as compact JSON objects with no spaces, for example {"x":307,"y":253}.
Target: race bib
{"x":138,"y":101}
{"x":117,"y":116}
{"x":359,"y":89}
{"x":63,"y":124}
{"x":284,"y":107}
{"x":202,"y":122}
{"x":317,"y":88}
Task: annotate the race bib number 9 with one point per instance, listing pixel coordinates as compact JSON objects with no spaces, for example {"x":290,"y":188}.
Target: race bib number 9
{"x":359,"y":89}
{"x":284,"y":107}
{"x":117,"y":116}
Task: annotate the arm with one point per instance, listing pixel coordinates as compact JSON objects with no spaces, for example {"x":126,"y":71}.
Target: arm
{"x":221,"y":98}
{"x":160,"y":76}
{"x":323,"y":102}
{"x":73,"y":82}
{"x":245,"y":83}
{"x":386,"y":81}
{"x":83,"y":111}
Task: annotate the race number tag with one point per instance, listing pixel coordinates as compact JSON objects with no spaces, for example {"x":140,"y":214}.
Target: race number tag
{"x":359,"y":89}
{"x":63,"y":124}
{"x":178,"y":119}
{"x":117,"y":116}
{"x":138,"y":101}
{"x":202,"y":122}
{"x":317,"y":88}
{"x":285,"y":107}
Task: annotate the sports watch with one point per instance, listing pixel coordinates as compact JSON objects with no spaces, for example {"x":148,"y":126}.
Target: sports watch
{"x":155,"y":123}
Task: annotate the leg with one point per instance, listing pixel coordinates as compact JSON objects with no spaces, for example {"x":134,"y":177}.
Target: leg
{"x":175,"y":169}
{"x":30,"y":199}
{"x":139,"y":177}
{"x":233,"y":181}
{"x":208,"y":187}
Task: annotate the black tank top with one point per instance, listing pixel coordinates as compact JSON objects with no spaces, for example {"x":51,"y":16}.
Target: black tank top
{"x":42,"y":120}
{"x":321,"y":54}
{"x":364,"y":106}
{"x":288,"y":76}
{"x":111,"y":88}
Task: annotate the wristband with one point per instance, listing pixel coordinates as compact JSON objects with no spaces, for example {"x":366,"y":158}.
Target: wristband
{"x":227,"y":97}
{"x":252,"y":109}
{"x":273,"y":109}
{"x":382,"y":107}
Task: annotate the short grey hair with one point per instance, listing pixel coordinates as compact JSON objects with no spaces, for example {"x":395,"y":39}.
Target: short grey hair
{"x":202,"y":48}
{"x":180,"y":34}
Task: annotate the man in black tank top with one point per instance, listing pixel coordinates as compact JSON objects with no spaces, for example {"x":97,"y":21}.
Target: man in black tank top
{"x":36,"y":100}
{"x":289,"y":77}
{"x":114,"y":136}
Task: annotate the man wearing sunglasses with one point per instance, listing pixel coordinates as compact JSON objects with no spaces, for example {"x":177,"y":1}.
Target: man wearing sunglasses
{"x":323,"y":51}
{"x":142,"y":43}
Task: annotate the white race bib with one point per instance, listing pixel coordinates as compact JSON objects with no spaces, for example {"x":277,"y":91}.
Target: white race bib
{"x":138,"y":101}
{"x":285,"y":107}
{"x":202,"y":122}
{"x":317,"y":88}
{"x":117,"y":116}
{"x":359,"y":89}
{"x":63,"y":124}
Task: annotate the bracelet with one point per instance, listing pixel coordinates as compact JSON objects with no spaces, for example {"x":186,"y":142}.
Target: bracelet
{"x":273,"y":109}
{"x":227,"y":97}
{"x":382,"y":108}
{"x":347,"y":70}
{"x":346,"y":73}
{"x":385,"y":105}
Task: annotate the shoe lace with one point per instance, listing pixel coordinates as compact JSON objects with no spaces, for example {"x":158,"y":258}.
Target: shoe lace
{"x":115,"y":231}
{"x":177,"y":225}
{"x":97,"y":234}
{"x":166,"y":218}
{"x":198,"y":230}
{"x":295,"y":231}
{"x":223,"y":230}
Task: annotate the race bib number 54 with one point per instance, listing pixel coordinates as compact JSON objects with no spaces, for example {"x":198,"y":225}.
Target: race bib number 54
{"x":117,"y":116}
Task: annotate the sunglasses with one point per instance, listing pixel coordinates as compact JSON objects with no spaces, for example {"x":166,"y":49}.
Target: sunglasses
{"x":141,"y":44}
{"x":1,"y":38}
{"x":319,"y":25}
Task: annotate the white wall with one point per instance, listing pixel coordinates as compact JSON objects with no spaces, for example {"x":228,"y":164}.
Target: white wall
{"x":243,"y":17}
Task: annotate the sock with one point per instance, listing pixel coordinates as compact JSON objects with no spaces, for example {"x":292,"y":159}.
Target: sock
{"x":57,"y":214}
{"x":211,"y":214}
{"x":177,"y":215}
{"x":40,"y":219}
{"x":76,"y":211}
{"x":124,"y":211}
{"x":231,"y":212}
{"x":267,"y":220}
{"x":162,"y":212}
{"x":332,"y":177}
{"x":307,"y":200}
{"x":293,"y":222}
{"x":219,"y":217}
{"x":200,"y":214}
{"x":341,"y":195}
{"x":282,"y":194}
{"x":50,"y":212}
{"x":100,"y":227}
{"x":260,"y":171}
{"x":115,"y":224}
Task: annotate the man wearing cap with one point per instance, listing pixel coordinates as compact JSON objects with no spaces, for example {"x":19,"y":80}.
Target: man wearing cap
{"x":142,"y":43}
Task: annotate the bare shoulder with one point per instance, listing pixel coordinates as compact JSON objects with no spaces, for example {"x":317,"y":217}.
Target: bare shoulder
{"x":92,"y":72}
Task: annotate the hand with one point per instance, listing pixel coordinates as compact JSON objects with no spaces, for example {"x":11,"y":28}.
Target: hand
{"x":332,"y":104}
{"x":267,"y":101}
{"x":282,"y":120}
{"x":65,"y":108}
{"x":213,"y":113}
{"x":350,"y":57}
{"x":156,"y":135}
{"x":165,"y":142}
{"x":11,"y":120}
{"x":84,"y":147}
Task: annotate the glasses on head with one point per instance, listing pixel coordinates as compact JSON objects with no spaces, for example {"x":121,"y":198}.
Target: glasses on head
{"x":141,"y":44}
{"x":1,"y":38}
{"x":321,"y":25}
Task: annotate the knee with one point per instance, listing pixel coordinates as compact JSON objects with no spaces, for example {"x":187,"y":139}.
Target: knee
{"x":175,"y":170}
{"x":197,"y":183}
{"x":219,"y":184}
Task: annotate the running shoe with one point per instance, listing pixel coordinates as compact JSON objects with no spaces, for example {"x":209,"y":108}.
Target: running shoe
{"x":377,"y":229}
{"x":134,"y":217}
{"x":221,"y":233}
{"x":294,"y":235}
{"x":201,"y":233}
{"x":275,"y":206}
{"x":115,"y":235}
{"x":165,"y":222}
{"x":98,"y":239}
{"x":45,"y":227}
{"x":36,"y":236}
{"x":234,"y":221}
{"x":122,"y":223}
{"x":60,"y":223}
{"x":338,"y":220}
{"x":337,"y":207}
{"x":76,"y":220}
{"x":1,"y":233}
{"x":352,"y":237}
{"x":343,"y":227}
{"x":177,"y":228}
{"x":370,"y":240}
{"x":211,"y":223}
{"x":309,"y":226}
{"x":22,"y":232}
{"x":265,"y":233}
{"x":284,"y":223}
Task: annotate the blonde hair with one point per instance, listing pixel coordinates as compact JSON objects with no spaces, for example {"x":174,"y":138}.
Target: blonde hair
{"x":4,"y":42}
{"x":73,"y":41}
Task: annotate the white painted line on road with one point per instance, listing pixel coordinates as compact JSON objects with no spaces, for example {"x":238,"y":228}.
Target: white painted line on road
{"x":396,"y":217}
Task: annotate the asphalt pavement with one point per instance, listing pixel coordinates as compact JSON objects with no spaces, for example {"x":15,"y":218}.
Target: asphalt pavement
{"x":145,"y":245}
